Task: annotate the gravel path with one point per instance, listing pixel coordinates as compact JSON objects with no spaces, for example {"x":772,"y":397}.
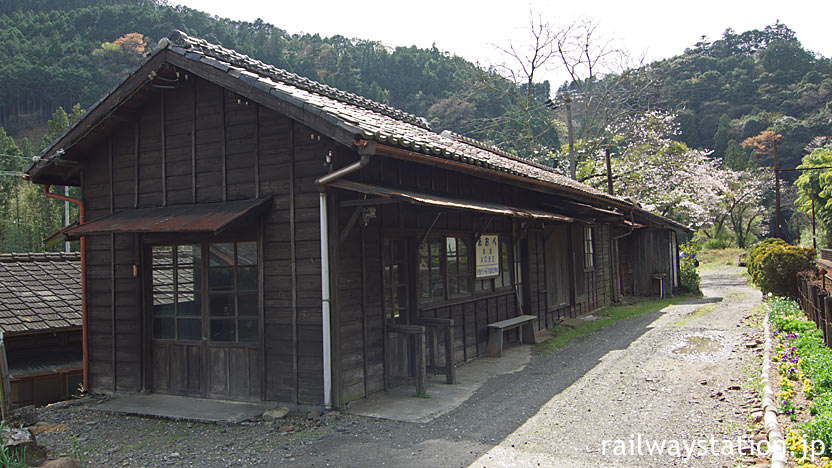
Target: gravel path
{"x":680,"y":374}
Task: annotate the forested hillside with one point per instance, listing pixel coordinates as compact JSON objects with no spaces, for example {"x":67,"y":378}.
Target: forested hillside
{"x":741,"y":84}
{"x":61,"y":52}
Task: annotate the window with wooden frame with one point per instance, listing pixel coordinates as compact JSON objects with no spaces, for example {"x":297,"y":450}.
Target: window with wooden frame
{"x":233,"y":292}
{"x":456,"y":266}
{"x":177,"y":314}
{"x":228,"y":297}
{"x":396,"y":290}
{"x":557,"y":268}
{"x":431,"y":274}
{"x":444,"y":268}
{"x":503,"y":279}
{"x":589,"y":250}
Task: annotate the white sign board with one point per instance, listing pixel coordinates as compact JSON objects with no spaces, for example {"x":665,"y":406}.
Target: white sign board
{"x":488,"y":256}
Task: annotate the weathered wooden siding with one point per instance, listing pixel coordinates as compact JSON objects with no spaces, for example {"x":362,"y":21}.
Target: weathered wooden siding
{"x":648,"y":254}
{"x":360,"y":357}
{"x":201,"y":143}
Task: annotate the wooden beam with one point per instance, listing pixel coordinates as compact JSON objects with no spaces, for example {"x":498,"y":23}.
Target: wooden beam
{"x":136,"y":155}
{"x":350,"y":224}
{"x":293,"y":259}
{"x":369,"y":202}
{"x":193,"y":141}
{"x":257,"y":150}
{"x":224,"y":149}
{"x":164,"y":151}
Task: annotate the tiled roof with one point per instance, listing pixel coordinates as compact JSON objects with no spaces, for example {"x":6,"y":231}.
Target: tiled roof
{"x":374,"y":121}
{"x":39,"y":291}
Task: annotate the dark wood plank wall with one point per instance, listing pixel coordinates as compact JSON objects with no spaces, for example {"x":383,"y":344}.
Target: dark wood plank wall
{"x":649,"y":255}
{"x":215,"y":146}
{"x":597,"y":281}
{"x":359,"y":283}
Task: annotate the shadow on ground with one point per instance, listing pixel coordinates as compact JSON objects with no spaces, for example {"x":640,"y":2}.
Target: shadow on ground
{"x":493,"y":412}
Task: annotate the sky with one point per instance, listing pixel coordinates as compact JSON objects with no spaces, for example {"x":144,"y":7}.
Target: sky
{"x":475,"y":29}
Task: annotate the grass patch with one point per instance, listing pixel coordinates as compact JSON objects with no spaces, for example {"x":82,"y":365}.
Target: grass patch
{"x":562,"y":336}
{"x":699,"y":312}
{"x":719,"y":257}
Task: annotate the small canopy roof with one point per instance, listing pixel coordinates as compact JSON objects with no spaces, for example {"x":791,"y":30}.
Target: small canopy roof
{"x":210,"y":218}
{"x":419,"y":198}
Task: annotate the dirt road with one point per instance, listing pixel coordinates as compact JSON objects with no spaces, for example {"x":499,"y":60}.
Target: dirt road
{"x":678,"y":376}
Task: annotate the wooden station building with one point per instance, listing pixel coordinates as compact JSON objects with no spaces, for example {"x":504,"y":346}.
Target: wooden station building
{"x":251,"y":234}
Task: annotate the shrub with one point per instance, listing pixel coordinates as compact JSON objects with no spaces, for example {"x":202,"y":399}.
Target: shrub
{"x":688,"y":275}
{"x":774,"y":264}
{"x":716,"y":244}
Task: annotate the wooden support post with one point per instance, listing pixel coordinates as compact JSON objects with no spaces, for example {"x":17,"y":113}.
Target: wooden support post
{"x":823,"y":317}
{"x":450,"y":375}
{"x":827,"y":310}
{"x":826,"y":304}
{"x":812,"y":302}
{"x":421,"y":370}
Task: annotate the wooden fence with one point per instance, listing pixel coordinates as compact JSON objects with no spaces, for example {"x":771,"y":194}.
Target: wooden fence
{"x":816,"y":302}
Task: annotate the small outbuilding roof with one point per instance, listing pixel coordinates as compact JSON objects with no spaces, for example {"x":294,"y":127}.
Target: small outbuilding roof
{"x":39,"y":292}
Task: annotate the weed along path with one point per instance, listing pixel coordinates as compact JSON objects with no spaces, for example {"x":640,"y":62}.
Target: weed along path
{"x":649,"y":380}
{"x":678,"y":376}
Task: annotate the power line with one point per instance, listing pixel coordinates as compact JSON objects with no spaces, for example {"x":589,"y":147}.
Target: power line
{"x":15,"y":156}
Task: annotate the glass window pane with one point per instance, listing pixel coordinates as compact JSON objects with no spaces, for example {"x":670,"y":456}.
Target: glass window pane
{"x":163,"y":278}
{"x":187,"y":254}
{"x":248,"y":331}
{"x":435,"y":248}
{"x":187,"y":279}
{"x":462,"y":246}
{"x":450,"y":246}
{"x":221,"y":305}
{"x":247,"y":305}
{"x":220,"y":279}
{"x":163,"y":329}
{"x":221,"y":254}
{"x":437,"y":288}
{"x":190,"y":329}
{"x":189,"y":304}
{"x":247,"y":278}
{"x":247,"y":253}
{"x":224,"y":330}
{"x":163,"y":305}
{"x":162,"y":255}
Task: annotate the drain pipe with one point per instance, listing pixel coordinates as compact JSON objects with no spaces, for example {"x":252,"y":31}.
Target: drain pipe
{"x":365,"y":149}
{"x":86,"y":361}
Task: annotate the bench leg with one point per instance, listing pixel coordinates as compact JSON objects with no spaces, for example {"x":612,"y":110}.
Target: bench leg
{"x":528,"y":333}
{"x":495,"y":342}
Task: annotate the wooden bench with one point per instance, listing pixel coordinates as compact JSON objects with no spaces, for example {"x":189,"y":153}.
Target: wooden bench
{"x":496,"y":329}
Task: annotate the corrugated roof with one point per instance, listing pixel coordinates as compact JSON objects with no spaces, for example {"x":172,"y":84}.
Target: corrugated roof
{"x":204,"y":217}
{"x":39,"y":291}
{"x":448,"y":202}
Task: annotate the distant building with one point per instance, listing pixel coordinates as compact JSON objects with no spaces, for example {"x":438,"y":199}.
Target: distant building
{"x":40,"y":325}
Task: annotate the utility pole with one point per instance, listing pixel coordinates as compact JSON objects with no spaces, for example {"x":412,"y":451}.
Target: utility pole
{"x":776,"y":191}
{"x":573,"y":164}
{"x":609,"y":171}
